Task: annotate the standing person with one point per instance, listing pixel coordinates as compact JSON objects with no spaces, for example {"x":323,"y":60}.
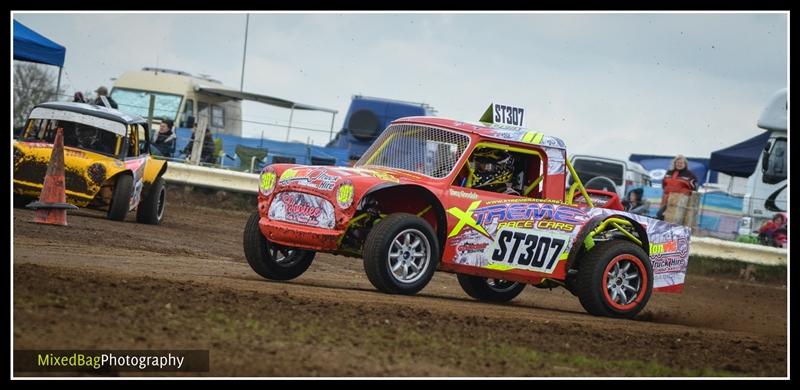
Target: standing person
{"x":678,"y":179}
{"x":165,"y":139}
{"x":102,"y":94}
{"x":207,"y":153}
{"x":78,"y":98}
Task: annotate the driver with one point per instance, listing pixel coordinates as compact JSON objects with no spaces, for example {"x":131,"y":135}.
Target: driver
{"x":493,"y":170}
{"x":87,"y":137}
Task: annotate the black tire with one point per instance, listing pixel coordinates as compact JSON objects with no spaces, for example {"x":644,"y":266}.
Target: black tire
{"x":591,"y":285}
{"x":121,"y":198}
{"x":151,"y":208}
{"x":263,"y":256}
{"x":379,"y":243}
{"x":570,"y":283}
{"x":489,"y":290}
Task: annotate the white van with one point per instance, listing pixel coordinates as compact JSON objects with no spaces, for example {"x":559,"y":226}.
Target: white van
{"x":177,"y":97}
{"x":767,"y":187}
{"x":636,"y":175}
{"x":608,"y":174}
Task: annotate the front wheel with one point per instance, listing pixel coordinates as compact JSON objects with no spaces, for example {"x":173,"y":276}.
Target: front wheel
{"x":151,"y":209}
{"x":270,"y":260}
{"x":400,"y":254}
{"x":615,"y":279}
{"x":121,"y":198}
{"x":489,"y":290}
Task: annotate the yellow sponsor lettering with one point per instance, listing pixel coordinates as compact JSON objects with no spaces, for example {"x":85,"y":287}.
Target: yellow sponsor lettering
{"x":515,"y":224}
{"x":553,"y":225}
{"x":656,"y":249}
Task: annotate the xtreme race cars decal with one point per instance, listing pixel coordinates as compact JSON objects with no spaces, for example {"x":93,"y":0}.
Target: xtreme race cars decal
{"x":534,"y":236}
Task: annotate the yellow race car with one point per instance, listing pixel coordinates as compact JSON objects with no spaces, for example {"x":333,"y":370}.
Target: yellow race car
{"x":107,"y":162}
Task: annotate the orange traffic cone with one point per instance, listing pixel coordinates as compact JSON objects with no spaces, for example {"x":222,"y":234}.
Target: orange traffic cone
{"x":52,"y":205}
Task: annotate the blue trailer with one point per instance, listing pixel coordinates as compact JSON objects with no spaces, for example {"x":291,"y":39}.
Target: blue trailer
{"x":366,"y":119}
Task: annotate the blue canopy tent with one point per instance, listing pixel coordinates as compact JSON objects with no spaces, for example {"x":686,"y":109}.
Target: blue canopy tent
{"x":740,"y":160}
{"x":30,"y":46}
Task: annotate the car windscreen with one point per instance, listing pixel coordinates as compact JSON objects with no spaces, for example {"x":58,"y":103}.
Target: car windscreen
{"x":77,"y":135}
{"x":422,"y":149}
{"x":138,"y":103}
{"x":589,"y":169}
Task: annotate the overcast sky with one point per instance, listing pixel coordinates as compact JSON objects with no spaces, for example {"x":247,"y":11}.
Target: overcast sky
{"x":608,"y":84}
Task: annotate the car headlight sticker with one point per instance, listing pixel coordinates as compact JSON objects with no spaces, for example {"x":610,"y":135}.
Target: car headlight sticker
{"x":97,"y":173}
{"x":345,"y":194}
{"x":268,"y":179}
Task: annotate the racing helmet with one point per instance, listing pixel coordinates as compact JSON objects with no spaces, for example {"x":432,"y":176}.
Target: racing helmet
{"x":491,"y":167}
{"x":86,"y":135}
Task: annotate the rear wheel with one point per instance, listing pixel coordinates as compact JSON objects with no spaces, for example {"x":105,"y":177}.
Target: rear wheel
{"x":121,"y":198}
{"x":615,"y":279}
{"x":489,"y":290}
{"x":401,"y":254}
{"x":270,"y":260}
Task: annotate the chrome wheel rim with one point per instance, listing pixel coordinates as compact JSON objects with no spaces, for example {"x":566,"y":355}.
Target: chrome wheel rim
{"x":409,"y":256}
{"x":282,"y":255}
{"x":162,"y":195}
{"x":624,"y":282}
{"x":500,"y":285}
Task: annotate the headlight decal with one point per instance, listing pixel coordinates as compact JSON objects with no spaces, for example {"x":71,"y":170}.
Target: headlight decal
{"x":345,"y":194}
{"x":268,"y":179}
{"x":97,"y":173}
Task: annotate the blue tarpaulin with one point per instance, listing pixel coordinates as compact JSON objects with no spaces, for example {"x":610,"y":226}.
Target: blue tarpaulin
{"x":32,"y":47}
{"x":299,"y":152}
{"x":740,"y":160}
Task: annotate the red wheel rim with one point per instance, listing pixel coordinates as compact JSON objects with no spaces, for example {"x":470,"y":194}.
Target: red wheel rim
{"x":624,"y":275}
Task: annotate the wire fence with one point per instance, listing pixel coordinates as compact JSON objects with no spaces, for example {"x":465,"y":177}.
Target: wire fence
{"x":718,"y":214}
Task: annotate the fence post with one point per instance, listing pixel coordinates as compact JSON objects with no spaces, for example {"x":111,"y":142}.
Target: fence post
{"x":197,"y":147}
{"x":150,"y":110}
{"x":289,"y":129}
{"x":330,"y":137}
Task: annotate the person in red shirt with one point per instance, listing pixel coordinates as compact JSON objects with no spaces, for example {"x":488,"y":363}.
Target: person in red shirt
{"x":678,"y":179}
{"x":773,"y":232}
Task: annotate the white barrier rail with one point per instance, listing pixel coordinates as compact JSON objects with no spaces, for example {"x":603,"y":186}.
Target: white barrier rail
{"x":738,"y":251}
{"x":221,"y":179}
{"x":179,"y":173}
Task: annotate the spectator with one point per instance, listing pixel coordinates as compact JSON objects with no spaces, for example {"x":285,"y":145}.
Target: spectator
{"x":773,"y":232}
{"x":165,"y":139}
{"x":102,"y":94}
{"x":78,"y":98}
{"x":634,"y":204}
{"x":679,"y":179}
{"x":207,"y":154}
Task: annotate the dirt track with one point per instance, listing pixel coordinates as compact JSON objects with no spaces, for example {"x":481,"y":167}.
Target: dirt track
{"x":185,"y":284}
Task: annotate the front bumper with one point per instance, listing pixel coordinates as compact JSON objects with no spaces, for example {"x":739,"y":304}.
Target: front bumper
{"x":33,"y":190}
{"x":300,"y":236}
